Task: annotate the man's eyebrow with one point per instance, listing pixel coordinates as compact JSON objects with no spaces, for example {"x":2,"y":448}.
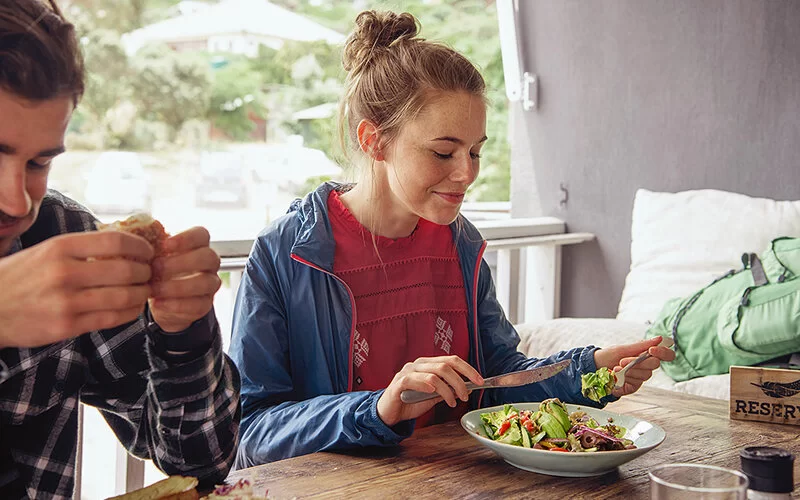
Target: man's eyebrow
{"x":457,"y":140}
{"x":51,"y":152}
{"x":47,"y":153}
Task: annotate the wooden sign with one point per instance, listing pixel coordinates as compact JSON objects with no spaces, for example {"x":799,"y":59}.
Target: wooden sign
{"x":765,"y":394}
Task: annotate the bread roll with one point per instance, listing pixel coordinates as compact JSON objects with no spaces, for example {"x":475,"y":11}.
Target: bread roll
{"x":141,"y":225}
{"x":171,"y":488}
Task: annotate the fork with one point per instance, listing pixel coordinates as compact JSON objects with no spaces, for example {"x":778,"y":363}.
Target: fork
{"x":665,"y":341}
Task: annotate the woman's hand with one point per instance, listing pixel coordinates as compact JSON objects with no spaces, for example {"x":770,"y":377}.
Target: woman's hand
{"x":616,"y":357}
{"x":442,"y":375}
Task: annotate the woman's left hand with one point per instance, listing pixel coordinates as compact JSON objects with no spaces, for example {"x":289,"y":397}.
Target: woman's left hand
{"x":616,"y":357}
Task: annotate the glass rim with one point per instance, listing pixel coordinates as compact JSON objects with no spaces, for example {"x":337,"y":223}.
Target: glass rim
{"x":744,"y":480}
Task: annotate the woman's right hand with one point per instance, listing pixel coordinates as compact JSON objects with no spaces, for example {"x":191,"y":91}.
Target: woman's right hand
{"x":442,"y":375}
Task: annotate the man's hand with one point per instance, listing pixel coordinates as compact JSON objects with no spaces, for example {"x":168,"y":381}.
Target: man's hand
{"x":72,"y":284}
{"x":184,"y":280}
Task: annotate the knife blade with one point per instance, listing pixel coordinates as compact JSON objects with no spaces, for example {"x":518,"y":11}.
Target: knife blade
{"x":513,"y":379}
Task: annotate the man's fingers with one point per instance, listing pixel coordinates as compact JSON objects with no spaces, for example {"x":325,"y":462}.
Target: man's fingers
{"x":112,"y":272}
{"x":109,"y":299}
{"x":104,"y":244}
{"x":195,"y":307}
{"x":197,"y":285}
{"x":201,"y":260}
{"x":101,"y":320}
{"x":191,"y":239}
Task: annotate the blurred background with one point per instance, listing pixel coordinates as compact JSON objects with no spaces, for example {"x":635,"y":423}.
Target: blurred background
{"x":220,"y":113}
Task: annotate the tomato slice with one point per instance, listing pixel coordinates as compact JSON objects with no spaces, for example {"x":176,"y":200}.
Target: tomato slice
{"x":503,"y":428}
{"x":558,"y":448}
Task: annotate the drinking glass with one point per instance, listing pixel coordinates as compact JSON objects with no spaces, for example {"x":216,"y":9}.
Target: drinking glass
{"x":696,"y":482}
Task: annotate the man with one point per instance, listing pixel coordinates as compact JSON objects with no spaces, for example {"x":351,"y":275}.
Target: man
{"x":91,"y":316}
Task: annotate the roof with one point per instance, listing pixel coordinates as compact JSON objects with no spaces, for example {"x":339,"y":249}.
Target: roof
{"x":325,"y":110}
{"x":233,"y":17}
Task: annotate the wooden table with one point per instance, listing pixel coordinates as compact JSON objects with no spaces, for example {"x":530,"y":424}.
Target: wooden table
{"x":444,"y":462}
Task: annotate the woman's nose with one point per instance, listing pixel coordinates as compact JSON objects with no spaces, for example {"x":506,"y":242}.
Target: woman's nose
{"x":466,"y":171}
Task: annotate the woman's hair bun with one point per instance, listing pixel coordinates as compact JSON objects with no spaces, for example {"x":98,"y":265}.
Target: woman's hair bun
{"x":376,"y":30}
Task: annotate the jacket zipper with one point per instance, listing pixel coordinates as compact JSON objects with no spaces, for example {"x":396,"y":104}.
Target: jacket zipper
{"x":475,"y":315}
{"x":295,"y":257}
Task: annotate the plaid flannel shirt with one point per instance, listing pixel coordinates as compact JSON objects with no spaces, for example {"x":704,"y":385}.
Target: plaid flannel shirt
{"x":181,"y":411}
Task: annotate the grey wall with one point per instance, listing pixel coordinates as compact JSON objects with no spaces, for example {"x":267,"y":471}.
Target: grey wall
{"x":665,"y":95}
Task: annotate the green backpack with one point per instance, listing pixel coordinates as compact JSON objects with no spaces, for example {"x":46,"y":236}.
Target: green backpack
{"x":746,"y":317}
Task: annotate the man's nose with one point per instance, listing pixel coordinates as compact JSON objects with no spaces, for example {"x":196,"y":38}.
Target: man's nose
{"x":14,"y":198}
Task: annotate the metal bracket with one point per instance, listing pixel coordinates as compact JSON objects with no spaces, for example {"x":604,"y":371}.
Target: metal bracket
{"x":530,"y":91}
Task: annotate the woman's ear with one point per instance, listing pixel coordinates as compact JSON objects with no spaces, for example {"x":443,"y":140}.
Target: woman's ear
{"x":369,"y":140}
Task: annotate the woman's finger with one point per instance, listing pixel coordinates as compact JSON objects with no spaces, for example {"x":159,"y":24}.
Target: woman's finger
{"x":662,"y":353}
{"x":446,"y":373}
{"x":442,"y":388}
{"x":457,"y":364}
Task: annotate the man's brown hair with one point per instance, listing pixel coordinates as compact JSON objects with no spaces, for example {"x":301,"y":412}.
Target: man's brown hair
{"x":40,"y":57}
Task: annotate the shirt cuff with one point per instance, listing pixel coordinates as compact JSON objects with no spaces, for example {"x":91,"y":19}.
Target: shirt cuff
{"x":181,"y":347}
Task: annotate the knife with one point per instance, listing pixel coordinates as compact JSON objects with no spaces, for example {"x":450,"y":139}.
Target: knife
{"x":513,"y":379}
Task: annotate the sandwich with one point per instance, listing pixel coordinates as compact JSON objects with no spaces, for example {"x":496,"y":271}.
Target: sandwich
{"x":141,"y":225}
{"x":171,"y":488}
{"x":183,"y":488}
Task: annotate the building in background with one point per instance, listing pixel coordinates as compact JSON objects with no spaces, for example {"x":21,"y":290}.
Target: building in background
{"x":231,"y":26}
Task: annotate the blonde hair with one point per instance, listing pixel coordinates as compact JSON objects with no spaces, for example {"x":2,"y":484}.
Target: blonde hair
{"x":392,"y":73}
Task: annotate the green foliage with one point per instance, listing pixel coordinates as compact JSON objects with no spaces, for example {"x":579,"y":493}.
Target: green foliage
{"x":311,"y":184}
{"x":470,"y":27}
{"x":170,"y":87}
{"x":107,"y":79}
{"x":122,"y":16}
{"x":235,"y":97}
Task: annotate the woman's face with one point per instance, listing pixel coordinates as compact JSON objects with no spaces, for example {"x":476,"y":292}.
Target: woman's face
{"x":436,"y":156}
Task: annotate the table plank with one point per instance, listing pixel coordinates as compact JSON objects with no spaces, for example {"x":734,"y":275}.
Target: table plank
{"x":444,"y":462}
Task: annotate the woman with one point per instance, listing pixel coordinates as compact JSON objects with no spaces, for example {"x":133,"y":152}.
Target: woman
{"x":363,"y":291}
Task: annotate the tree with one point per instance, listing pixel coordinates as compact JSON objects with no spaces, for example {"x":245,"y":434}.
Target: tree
{"x":235,"y":97}
{"x":470,"y":27}
{"x":107,"y":72}
{"x":170,"y":87}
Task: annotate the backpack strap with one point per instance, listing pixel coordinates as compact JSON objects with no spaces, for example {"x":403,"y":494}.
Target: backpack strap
{"x":752,"y":261}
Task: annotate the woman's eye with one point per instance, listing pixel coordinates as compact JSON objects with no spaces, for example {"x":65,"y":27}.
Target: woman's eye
{"x":475,"y":156}
{"x":443,"y":156}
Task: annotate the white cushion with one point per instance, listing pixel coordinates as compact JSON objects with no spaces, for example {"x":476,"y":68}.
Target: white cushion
{"x":538,"y":340}
{"x":542,"y":339}
{"x":681,"y":241}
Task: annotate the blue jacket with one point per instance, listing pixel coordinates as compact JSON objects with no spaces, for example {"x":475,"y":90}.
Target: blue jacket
{"x":292,"y":342}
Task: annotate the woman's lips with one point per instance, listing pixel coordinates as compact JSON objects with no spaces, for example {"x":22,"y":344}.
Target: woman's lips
{"x":454,"y":198}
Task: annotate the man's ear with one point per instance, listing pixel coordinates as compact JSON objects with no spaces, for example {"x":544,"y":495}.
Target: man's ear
{"x":369,"y":140}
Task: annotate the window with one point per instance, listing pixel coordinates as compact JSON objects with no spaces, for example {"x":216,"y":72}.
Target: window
{"x":220,"y":113}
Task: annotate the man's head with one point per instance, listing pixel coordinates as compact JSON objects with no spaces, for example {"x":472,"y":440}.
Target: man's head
{"x":41,"y":81}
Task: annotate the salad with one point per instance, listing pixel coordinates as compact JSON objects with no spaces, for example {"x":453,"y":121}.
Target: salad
{"x":599,"y":384}
{"x":552,"y":428}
